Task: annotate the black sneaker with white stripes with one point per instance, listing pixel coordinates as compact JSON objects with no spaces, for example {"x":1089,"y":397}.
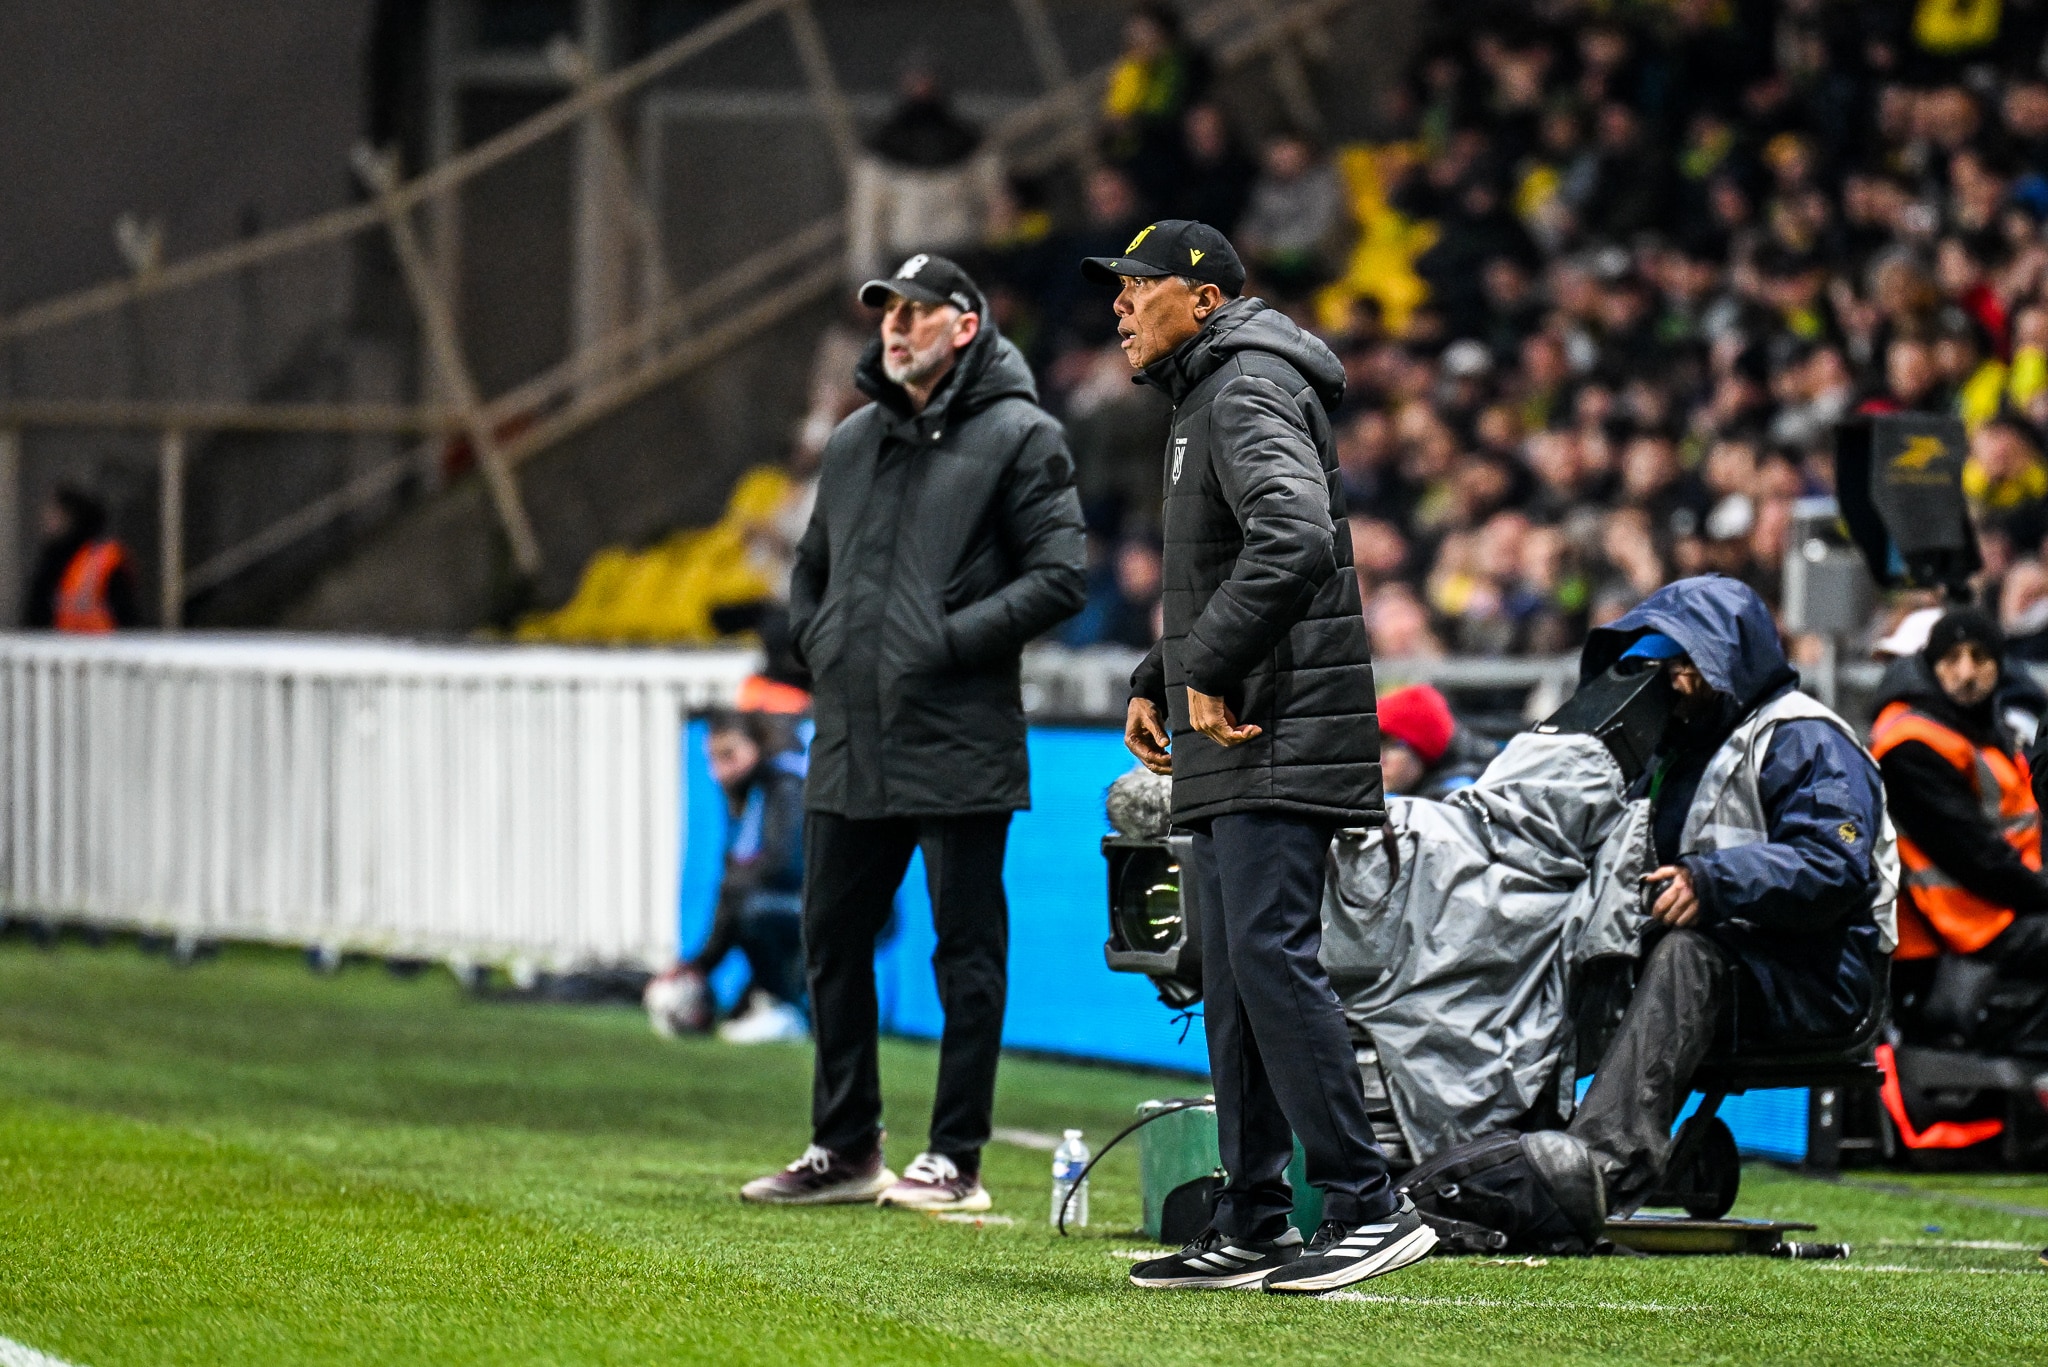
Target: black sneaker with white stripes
{"x":1341,"y":1254}
{"x":1217,"y":1262}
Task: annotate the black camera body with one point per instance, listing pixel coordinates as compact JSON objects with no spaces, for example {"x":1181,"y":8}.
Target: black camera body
{"x":1626,"y":708}
{"x":1155,"y":925}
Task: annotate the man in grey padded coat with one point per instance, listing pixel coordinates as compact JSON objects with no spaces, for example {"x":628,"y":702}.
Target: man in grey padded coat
{"x":947,"y":534}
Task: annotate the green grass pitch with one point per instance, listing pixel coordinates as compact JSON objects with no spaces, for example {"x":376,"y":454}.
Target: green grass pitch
{"x":243,"y":1163}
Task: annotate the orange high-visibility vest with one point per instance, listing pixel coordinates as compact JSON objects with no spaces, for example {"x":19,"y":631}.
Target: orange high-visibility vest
{"x":759,"y":693}
{"x":82,"y":592}
{"x":1935,"y":912}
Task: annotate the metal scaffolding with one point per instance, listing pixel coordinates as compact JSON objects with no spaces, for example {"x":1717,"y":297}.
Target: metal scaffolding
{"x":617,"y":353}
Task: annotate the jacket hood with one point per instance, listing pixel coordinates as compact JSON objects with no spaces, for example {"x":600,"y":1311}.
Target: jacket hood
{"x":1725,"y":629}
{"x":1910,"y":680}
{"x":990,"y":369}
{"x":1248,"y":325}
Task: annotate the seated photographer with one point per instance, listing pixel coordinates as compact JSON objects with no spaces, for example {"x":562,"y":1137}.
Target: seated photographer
{"x":1962,"y":797}
{"x":1775,"y":873}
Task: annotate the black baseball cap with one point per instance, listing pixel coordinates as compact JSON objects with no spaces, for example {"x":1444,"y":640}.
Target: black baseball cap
{"x":1174,"y":246}
{"x":928,"y":279}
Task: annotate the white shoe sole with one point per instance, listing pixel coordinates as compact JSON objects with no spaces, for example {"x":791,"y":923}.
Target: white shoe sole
{"x":724,"y":1038}
{"x":848,"y":1194}
{"x":1412,"y":1248}
{"x":972,"y":1203}
{"x":1243,"y":1281}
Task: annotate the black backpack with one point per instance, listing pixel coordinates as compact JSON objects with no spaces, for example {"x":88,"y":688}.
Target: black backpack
{"x":1513,"y":1193}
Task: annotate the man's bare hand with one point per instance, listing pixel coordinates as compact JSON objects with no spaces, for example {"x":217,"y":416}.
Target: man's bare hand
{"x":1145,"y":736}
{"x":1214,"y":719}
{"x":1679,"y":904}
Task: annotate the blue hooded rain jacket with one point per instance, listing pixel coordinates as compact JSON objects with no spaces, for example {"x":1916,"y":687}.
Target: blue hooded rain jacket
{"x":1793,"y":911}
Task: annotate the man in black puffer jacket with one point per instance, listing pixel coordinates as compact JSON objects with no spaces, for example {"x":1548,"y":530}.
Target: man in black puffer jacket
{"x":1266,"y":676}
{"x":947,"y":534}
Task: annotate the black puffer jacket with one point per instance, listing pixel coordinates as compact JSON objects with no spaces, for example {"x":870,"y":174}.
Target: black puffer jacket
{"x":941,"y":543}
{"x":1261,"y":602}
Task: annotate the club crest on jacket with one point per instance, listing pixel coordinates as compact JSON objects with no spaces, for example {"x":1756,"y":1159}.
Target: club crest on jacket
{"x":1180,"y":453}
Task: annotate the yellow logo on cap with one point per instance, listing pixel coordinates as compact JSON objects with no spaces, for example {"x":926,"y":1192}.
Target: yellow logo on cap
{"x":1194,"y":256}
{"x":1143,"y":233}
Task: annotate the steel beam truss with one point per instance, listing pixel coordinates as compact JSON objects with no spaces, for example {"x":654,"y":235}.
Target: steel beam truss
{"x":674,"y":334}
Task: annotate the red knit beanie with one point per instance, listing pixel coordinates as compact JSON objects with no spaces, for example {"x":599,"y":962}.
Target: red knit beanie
{"x":1420,"y":719}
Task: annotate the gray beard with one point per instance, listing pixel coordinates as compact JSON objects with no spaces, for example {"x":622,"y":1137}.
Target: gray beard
{"x":921,"y":367}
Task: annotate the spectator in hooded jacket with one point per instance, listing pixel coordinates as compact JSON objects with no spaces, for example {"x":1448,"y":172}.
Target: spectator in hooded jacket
{"x":1962,"y":797}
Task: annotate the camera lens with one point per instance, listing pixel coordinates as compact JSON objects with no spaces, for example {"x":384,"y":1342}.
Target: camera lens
{"x":1148,"y":902}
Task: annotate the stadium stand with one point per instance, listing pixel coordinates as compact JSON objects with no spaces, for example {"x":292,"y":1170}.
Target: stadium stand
{"x":1602,"y":282}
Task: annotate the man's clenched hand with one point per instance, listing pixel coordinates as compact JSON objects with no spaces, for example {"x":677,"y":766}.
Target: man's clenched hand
{"x":1145,"y":736}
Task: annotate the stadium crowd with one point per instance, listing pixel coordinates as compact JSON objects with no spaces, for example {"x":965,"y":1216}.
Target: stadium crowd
{"x":1601,"y":287}
{"x":1602,"y":281}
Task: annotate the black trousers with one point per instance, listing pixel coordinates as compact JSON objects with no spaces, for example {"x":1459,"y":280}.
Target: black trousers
{"x":851,"y":874}
{"x":771,"y":935}
{"x":2021,"y":949}
{"x":1280,"y":1055}
{"x":768,"y":928}
{"x":1646,"y":1074}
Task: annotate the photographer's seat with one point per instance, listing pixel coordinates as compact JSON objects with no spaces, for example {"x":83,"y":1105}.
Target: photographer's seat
{"x":1705,"y":1172}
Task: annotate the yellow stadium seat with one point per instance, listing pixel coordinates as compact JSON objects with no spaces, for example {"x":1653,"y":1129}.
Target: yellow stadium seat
{"x":667,"y":593}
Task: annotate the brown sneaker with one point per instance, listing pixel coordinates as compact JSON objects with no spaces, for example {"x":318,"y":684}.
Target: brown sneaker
{"x":822,"y":1178}
{"x":932,"y":1182}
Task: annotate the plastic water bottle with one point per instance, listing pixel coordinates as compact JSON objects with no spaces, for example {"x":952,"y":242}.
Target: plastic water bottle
{"x":1067,"y":1161}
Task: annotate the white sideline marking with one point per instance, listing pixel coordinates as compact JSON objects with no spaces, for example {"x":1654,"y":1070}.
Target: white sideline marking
{"x":1928,"y":1271}
{"x":1025,"y":1139}
{"x":1993,"y":1245}
{"x":1490,"y":1303}
{"x":14,"y":1354}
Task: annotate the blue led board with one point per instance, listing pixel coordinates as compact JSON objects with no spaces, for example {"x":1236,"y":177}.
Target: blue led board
{"x":1063,"y":999}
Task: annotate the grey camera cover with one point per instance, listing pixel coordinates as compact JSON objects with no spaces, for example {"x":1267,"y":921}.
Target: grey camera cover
{"x":1459,"y":970}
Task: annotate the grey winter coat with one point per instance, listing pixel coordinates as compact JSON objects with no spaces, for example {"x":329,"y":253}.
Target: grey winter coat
{"x":941,"y":543}
{"x":1261,"y":604}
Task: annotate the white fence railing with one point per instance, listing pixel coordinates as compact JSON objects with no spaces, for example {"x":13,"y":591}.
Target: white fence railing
{"x":441,"y":802}
{"x":450,"y":802}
